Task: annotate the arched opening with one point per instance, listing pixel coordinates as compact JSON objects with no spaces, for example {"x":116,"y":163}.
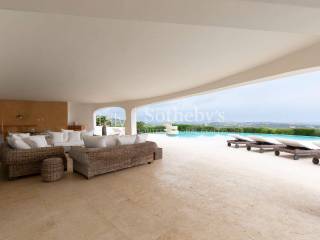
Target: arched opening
{"x":109,"y":121}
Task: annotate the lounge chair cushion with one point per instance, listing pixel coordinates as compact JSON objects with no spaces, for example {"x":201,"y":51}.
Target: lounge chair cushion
{"x":317,"y":143}
{"x":243,"y":138}
{"x":265,"y":140}
{"x":299,"y":144}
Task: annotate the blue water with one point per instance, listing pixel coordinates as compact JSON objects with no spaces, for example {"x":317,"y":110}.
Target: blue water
{"x":226,"y":134}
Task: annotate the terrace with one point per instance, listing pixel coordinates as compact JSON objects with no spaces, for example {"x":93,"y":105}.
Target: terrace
{"x":199,"y":190}
{"x":62,"y":61}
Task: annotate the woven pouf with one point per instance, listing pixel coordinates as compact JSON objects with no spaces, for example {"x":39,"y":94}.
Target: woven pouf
{"x":52,"y":169}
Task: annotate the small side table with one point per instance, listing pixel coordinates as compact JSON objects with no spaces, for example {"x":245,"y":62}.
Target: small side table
{"x":52,"y":169}
{"x":158,"y":154}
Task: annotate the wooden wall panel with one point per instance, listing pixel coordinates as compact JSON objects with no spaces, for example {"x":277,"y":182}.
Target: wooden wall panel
{"x":40,"y":116}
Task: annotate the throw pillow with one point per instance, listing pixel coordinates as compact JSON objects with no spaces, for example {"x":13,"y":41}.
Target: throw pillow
{"x":20,"y":144}
{"x":66,"y":134}
{"x":36,"y":141}
{"x":126,"y":140}
{"x":111,"y":141}
{"x":21,"y":135}
{"x":74,"y":136}
{"x":141,"y":138}
{"x":94,"y":141}
{"x":56,"y":137}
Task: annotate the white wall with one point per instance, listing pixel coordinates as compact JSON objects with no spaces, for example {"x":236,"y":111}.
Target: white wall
{"x":82,"y":114}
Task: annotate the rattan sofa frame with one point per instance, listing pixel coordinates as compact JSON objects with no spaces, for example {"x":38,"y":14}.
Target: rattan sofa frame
{"x":91,"y":162}
{"x":17,"y":163}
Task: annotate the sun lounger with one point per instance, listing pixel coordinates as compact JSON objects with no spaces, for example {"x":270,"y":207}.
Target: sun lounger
{"x":315,"y":159}
{"x":299,"y":149}
{"x":263,"y":144}
{"x":238,"y":141}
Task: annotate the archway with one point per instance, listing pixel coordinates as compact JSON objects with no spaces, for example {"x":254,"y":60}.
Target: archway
{"x":113,"y":118}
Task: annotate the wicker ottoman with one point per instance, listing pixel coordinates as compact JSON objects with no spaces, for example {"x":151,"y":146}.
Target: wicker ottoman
{"x":52,"y":169}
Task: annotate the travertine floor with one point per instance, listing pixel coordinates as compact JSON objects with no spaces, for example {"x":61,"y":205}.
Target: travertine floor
{"x":200,"y":190}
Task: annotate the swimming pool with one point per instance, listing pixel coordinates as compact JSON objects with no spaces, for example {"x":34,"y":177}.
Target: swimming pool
{"x":193,"y":134}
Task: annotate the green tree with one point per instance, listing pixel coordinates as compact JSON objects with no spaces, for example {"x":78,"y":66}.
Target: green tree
{"x":103,"y":120}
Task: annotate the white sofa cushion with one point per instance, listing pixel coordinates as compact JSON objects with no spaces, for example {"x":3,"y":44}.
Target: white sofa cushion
{"x":74,"y":136}
{"x":111,"y":141}
{"x":127,"y":139}
{"x":69,"y":144}
{"x":86,"y":133}
{"x":141,"y":138}
{"x":94,"y":141}
{"x":36,"y":141}
{"x":66,"y":134}
{"x":56,"y":137}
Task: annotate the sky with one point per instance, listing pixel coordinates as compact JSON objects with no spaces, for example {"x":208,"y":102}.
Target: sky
{"x":294,"y":99}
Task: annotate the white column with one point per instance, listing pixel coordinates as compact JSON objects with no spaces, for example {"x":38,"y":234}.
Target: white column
{"x":131,"y":121}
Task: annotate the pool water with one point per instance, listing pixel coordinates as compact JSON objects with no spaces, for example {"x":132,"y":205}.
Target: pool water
{"x":192,"y":134}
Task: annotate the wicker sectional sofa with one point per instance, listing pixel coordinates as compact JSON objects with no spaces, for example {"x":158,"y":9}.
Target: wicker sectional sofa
{"x":90,"y":162}
{"x":17,"y":163}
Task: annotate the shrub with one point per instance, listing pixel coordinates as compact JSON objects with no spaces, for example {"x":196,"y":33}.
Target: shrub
{"x":143,"y":127}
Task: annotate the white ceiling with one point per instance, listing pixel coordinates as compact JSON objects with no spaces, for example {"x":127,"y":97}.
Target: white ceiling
{"x":58,"y":50}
